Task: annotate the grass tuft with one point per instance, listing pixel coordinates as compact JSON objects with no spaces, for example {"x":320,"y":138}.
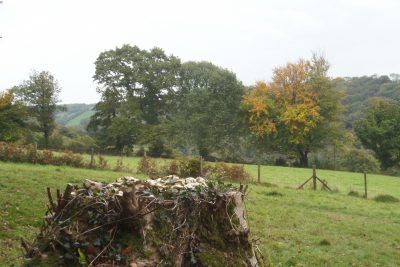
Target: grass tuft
{"x":353,"y":193}
{"x":274,"y":194}
{"x":386,"y":198}
{"x":324,"y":242}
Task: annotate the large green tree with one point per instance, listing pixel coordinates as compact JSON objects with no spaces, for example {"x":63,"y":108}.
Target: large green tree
{"x":137,"y":87}
{"x":12,"y":117}
{"x":379,"y":131}
{"x":299,"y":111}
{"x":207,"y":114}
{"x":40,"y":94}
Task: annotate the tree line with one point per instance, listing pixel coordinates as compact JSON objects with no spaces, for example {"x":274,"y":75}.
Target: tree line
{"x":153,"y":102}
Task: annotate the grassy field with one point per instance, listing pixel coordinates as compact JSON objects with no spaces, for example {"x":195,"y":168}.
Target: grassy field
{"x":295,"y":227}
{"x":78,"y":119}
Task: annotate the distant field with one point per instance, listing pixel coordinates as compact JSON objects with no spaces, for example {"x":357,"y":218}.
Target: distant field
{"x":74,"y":115}
{"x":295,"y":227}
{"x":78,"y":119}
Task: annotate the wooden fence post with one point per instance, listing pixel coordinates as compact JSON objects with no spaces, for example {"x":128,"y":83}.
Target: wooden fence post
{"x":365,"y":185}
{"x":35,"y":151}
{"x":258,"y":173}
{"x":201,"y":166}
{"x":92,"y":158}
{"x":314,"y":179}
{"x":314,"y":173}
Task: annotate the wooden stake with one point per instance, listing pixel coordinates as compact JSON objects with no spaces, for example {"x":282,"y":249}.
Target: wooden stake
{"x":201,"y":166}
{"x":259,"y":173}
{"x":65,"y":196}
{"x":35,"y":159}
{"x":314,"y":177}
{"x":92,"y":158}
{"x":53,"y":207}
{"x":365,"y":185}
{"x":59,"y":196}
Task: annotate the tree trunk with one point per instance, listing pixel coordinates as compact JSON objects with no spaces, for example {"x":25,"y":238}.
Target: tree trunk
{"x":203,"y":152}
{"x":303,"y":158}
{"x":46,"y":138}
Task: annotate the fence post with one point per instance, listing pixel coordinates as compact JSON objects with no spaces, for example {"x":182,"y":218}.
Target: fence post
{"x":91,"y":158}
{"x":258,"y":173}
{"x":314,"y":177}
{"x":365,"y":185}
{"x":201,"y":166}
{"x":35,"y":151}
{"x":334,"y":157}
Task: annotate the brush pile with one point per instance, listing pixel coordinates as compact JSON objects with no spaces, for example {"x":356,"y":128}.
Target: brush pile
{"x":169,"y":221}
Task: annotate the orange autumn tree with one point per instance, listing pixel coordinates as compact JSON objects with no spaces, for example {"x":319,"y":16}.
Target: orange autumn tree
{"x":298,"y":111}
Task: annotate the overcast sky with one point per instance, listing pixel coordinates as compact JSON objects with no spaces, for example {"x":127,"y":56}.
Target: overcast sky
{"x":359,"y":37}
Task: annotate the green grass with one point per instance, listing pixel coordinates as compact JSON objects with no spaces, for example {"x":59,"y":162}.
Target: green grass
{"x":295,"y":227}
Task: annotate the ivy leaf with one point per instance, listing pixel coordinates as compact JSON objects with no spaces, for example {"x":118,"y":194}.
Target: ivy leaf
{"x":82,"y":258}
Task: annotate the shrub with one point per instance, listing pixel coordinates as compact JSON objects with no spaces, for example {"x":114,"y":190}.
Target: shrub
{"x":147,"y":166}
{"x":28,"y":154}
{"x":102,"y":162}
{"x":233,"y":172}
{"x":71,"y":159}
{"x":171,"y":168}
{"x":189,"y":167}
{"x":120,"y":166}
{"x":359,"y":160}
{"x":45,"y":157}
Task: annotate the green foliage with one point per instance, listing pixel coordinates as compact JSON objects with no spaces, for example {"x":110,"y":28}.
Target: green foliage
{"x":82,"y":258}
{"x":12,"y":117}
{"x":189,"y":167}
{"x":360,"y":90}
{"x":118,"y":130}
{"x":157,"y":140}
{"x":136,"y":87}
{"x":359,"y":160}
{"x":40,"y":94}
{"x":207,"y":115}
{"x":380,"y":131}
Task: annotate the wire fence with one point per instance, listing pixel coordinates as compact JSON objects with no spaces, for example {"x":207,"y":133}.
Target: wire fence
{"x":349,"y":183}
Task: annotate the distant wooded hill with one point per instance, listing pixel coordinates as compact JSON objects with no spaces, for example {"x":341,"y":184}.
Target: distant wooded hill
{"x":76,"y":115}
{"x":358,"y":91}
